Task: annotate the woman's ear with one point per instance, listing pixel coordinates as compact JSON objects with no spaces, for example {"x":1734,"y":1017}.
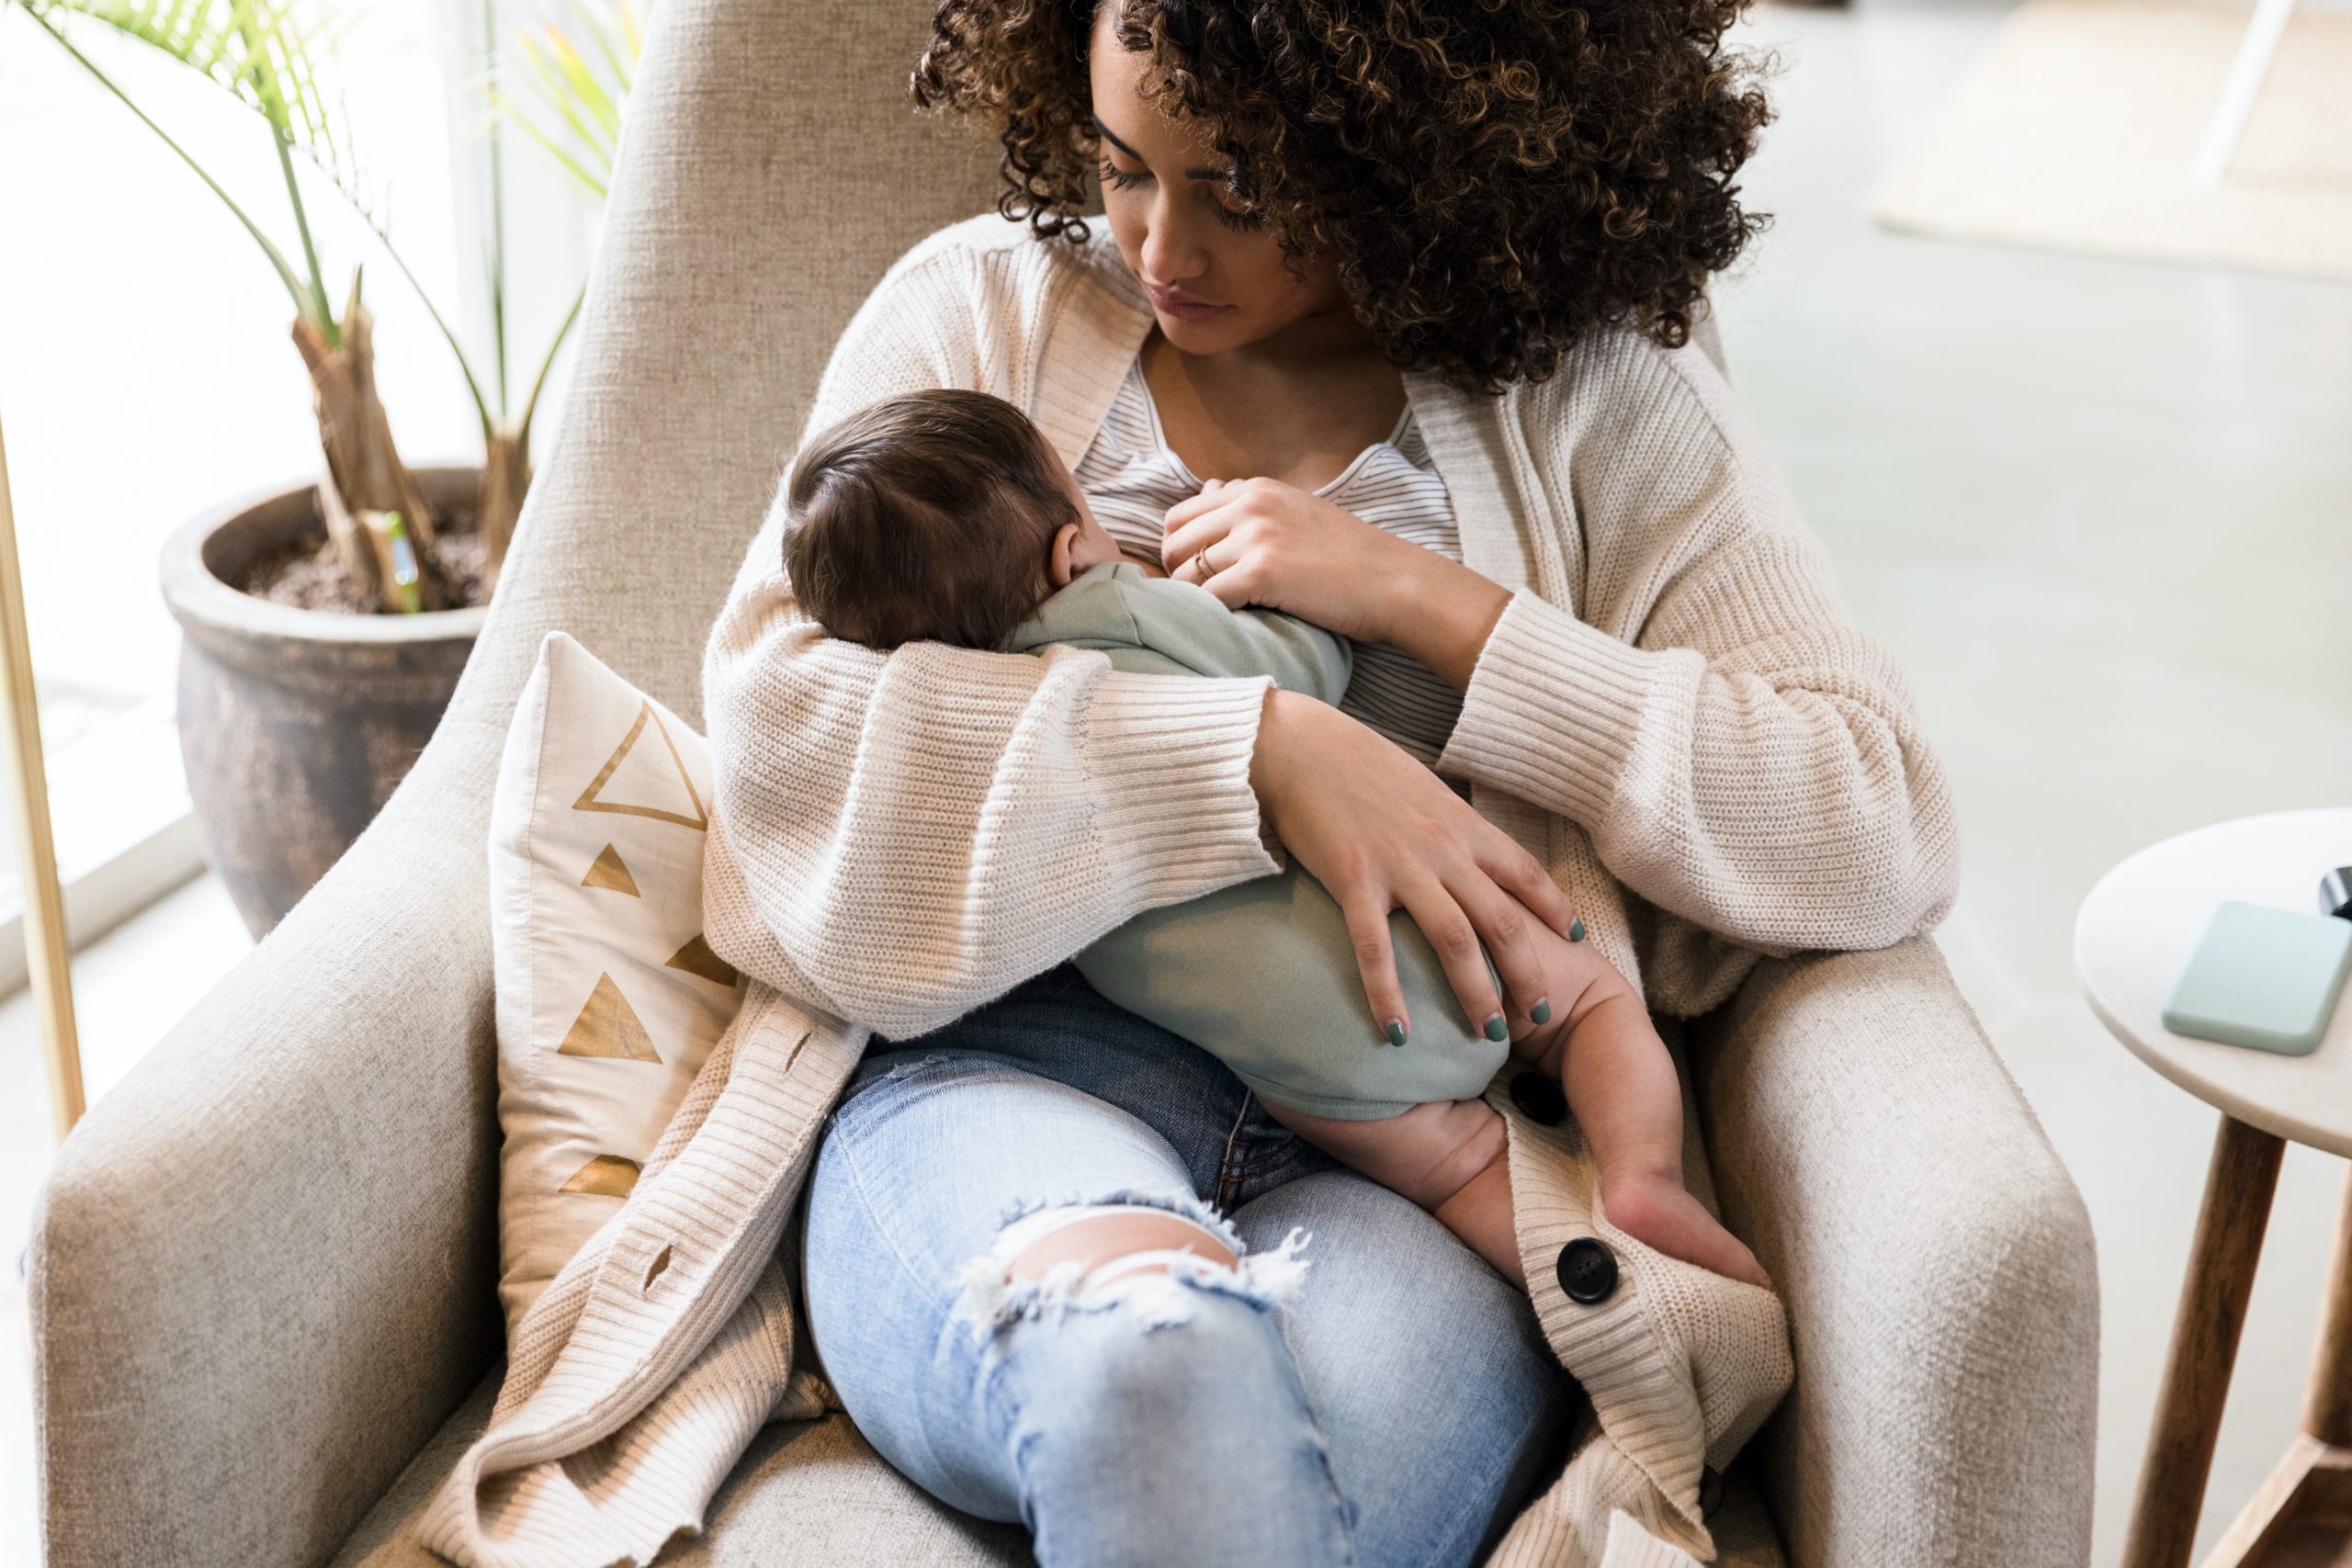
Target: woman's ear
{"x":1063,"y":565}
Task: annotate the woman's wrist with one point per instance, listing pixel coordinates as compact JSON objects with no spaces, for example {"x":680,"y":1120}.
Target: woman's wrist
{"x":1441,"y":613}
{"x":1277,"y":722}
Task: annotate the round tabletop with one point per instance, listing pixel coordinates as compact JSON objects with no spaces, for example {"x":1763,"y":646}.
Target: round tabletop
{"x":2140,"y":924}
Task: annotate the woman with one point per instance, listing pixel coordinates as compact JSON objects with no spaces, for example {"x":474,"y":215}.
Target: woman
{"x":1052,"y":1254}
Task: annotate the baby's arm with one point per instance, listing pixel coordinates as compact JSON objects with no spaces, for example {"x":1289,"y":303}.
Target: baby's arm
{"x":1155,"y":626}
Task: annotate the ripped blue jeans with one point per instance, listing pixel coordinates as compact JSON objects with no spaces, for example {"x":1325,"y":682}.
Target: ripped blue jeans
{"x":1360,"y":1388}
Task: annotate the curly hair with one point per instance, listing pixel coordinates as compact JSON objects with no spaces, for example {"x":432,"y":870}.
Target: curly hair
{"x":1496,"y":177}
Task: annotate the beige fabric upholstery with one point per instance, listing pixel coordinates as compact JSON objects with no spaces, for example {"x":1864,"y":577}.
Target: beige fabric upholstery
{"x":808,"y":1493}
{"x":815,"y":1495}
{"x":1935,"y":1258}
{"x":263,"y":1277}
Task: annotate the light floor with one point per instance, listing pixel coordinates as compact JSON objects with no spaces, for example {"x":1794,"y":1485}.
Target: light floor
{"x":2102,"y":512}
{"x":2100,"y":509}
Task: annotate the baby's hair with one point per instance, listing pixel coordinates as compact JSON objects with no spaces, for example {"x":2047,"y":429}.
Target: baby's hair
{"x":926,"y":516}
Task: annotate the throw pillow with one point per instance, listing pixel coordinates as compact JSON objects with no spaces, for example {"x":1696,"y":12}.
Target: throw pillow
{"x":608,"y":999}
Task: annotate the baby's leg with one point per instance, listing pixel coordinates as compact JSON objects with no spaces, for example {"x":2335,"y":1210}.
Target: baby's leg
{"x":1620,"y":1082}
{"x":1450,"y":1157}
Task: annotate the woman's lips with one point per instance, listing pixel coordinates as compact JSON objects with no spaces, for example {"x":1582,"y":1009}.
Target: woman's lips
{"x":1175,"y":302}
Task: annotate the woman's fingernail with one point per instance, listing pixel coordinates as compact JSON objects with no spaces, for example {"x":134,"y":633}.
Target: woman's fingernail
{"x":1395,"y":1033}
{"x":1542,"y":1012}
{"x":1575,"y":929}
{"x":1496,"y":1029}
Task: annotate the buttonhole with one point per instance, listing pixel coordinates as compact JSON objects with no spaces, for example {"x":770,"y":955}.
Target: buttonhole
{"x":660,"y":1262}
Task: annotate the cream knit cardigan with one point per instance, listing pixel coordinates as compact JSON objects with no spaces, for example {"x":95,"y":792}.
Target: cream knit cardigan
{"x":1674,"y":701}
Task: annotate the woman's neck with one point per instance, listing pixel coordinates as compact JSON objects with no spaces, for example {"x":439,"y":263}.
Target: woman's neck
{"x":1298,"y":407}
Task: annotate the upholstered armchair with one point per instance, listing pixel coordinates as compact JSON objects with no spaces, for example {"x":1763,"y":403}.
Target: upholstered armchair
{"x":263,"y":1277}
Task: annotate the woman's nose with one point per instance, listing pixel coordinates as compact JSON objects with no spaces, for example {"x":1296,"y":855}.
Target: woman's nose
{"x":1172,"y":252}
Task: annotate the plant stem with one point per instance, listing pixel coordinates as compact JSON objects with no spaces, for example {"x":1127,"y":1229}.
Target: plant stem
{"x":489,"y":53}
{"x":302,"y":304}
{"x":285,"y":141}
{"x":448,"y":334}
{"x":523,"y":425}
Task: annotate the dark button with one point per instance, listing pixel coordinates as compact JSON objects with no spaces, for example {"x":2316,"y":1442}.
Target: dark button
{"x":1588,"y":1272}
{"x":1539,"y":1099}
{"x":1710,"y":1492}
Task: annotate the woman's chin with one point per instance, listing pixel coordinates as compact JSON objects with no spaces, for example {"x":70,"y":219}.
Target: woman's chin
{"x":1197,"y":337}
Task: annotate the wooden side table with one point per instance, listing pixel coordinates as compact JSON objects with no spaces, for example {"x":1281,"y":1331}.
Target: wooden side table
{"x":2131,"y":939}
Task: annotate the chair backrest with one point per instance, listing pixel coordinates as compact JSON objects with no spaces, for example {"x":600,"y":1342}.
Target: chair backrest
{"x":773,"y":168}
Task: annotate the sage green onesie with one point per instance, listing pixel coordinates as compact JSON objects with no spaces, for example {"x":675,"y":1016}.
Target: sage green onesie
{"x":1261,"y":974}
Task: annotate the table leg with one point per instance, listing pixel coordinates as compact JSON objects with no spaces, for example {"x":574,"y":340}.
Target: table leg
{"x":2327,"y":1404}
{"x":2301,"y":1516}
{"x":2230,"y":1222}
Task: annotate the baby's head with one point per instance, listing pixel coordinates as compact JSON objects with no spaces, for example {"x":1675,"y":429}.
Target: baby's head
{"x":941,"y":515}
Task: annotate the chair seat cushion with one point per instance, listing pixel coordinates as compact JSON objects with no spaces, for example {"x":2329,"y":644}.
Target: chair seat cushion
{"x":815,"y":1494}
{"x":808,"y":1493}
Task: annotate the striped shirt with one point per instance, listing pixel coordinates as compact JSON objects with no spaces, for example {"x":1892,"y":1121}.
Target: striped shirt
{"x":1132,"y":477}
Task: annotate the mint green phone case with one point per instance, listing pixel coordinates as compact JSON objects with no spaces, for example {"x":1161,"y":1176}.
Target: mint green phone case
{"x":2263,"y":977}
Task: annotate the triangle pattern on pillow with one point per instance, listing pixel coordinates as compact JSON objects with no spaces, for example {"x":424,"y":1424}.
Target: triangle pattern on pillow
{"x":650,"y":781}
{"x":608,"y":1026}
{"x":607,"y":1175}
{"x":610,"y":870}
{"x":696,"y":958}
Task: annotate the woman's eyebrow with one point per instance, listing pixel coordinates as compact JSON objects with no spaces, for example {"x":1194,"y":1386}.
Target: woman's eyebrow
{"x":1105,"y":133}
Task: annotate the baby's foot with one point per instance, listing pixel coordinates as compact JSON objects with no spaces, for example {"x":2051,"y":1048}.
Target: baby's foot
{"x":1657,"y":1212}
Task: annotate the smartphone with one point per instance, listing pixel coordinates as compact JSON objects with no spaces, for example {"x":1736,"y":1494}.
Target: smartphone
{"x":2262,"y":977}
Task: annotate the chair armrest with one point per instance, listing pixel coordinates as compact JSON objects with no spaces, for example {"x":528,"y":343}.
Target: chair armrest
{"x":264,"y":1271}
{"x":1937,"y":1262}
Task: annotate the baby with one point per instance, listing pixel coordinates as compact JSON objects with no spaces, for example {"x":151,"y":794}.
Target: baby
{"x":945,"y":515}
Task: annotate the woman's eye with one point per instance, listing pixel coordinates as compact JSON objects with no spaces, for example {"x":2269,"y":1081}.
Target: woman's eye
{"x":1233,"y":216}
{"x":1118,"y":179}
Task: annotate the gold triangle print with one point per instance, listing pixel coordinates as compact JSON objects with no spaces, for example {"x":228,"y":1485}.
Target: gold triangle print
{"x":611,"y":871}
{"x":607,"y":1175}
{"x":649,"y":770}
{"x":696,"y":958}
{"x":608,"y":1026}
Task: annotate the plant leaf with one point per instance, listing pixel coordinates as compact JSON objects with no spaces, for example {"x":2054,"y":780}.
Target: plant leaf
{"x":575,"y":84}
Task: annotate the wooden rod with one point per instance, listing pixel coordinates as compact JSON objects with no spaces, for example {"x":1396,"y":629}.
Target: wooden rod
{"x":48,"y":956}
{"x":2230,"y":1222}
{"x":2327,"y":1404}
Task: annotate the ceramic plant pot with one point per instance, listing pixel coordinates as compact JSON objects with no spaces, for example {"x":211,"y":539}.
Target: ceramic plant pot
{"x":297,"y":725}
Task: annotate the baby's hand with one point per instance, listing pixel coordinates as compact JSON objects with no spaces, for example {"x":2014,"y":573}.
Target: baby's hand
{"x":1151,"y":568}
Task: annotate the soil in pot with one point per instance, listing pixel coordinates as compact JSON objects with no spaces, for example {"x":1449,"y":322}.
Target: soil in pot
{"x":306,"y":573}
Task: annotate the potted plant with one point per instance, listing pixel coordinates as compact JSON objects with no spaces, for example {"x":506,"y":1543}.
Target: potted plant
{"x":325,"y":625}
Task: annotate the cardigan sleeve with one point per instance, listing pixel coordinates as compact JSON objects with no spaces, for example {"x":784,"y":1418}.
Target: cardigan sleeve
{"x":1742,"y":755}
{"x":898,"y":837}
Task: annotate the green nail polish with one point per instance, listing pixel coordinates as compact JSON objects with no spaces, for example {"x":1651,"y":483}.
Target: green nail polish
{"x":1575,"y":929}
{"x":1496,"y":1029}
{"x":1395,"y":1033}
{"x":1542,"y":1012}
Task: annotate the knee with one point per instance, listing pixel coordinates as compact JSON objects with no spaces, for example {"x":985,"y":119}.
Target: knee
{"x":1147,"y":1260}
{"x":1096,"y":1239}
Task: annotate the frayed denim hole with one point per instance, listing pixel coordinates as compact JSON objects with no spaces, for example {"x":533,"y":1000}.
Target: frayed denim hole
{"x":989,"y":1302}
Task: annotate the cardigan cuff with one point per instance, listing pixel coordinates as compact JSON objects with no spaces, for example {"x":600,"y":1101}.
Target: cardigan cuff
{"x":1170,"y":762}
{"x":1554,"y":710}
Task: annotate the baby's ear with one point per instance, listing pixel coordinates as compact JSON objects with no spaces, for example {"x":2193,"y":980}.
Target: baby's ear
{"x":1061,"y":563}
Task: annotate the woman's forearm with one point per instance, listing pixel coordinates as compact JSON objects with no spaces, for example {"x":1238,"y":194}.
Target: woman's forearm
{"x":1778,"y":792}
{"x":992,"y":814}
{"x":1441,"y":613}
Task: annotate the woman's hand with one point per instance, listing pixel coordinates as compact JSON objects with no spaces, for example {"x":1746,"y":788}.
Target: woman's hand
{"x":1264,"y":542}
{"x":1382,"y":832}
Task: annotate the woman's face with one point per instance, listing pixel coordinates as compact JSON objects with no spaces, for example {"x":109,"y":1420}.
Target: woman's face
{"x":1217,"y":280}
